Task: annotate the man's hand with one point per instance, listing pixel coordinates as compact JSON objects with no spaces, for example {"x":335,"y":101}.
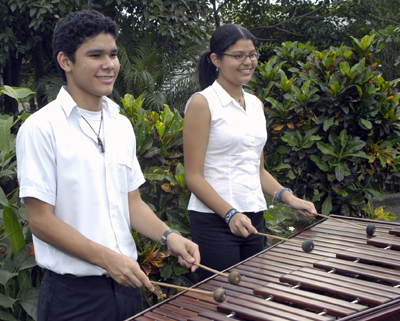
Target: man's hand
{"x":127,"y":272}
{"x":186,"y":251}
{"x":240,"y":225}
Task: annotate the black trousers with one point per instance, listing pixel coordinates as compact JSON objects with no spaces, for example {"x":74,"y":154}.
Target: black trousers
{"x":67,"y":297}
{"x":219,"y":248}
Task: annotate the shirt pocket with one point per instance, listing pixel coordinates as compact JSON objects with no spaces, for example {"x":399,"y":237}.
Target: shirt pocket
{"x":124,"y":172}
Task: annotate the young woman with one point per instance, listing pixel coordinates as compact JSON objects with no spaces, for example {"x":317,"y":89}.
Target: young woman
{"x":224,"y":133}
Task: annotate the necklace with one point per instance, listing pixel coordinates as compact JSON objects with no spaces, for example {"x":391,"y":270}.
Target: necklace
{"x":99,"y":142}
{"x":240,"y":101}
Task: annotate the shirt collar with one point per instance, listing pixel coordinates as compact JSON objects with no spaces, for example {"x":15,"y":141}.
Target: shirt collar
{"x":223,"y":95}
{"x":68,"y":104}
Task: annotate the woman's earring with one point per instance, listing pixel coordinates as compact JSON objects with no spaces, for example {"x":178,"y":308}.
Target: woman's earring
{"x":217,"y":69}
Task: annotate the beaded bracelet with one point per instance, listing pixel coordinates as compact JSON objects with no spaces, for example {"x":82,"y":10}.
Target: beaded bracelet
{"x":281,"y":192}
{"x":230,"y":214}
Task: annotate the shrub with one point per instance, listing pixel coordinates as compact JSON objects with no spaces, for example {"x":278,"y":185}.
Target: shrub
{"x":159,"y":150}
{"x":333,"y":122}
{"x":19,"y":275}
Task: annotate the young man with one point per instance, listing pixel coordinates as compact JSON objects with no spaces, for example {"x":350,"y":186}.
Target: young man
{"x":79,"y":178}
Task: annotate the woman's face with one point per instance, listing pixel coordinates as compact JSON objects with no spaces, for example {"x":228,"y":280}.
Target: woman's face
{"x":233,"y":72}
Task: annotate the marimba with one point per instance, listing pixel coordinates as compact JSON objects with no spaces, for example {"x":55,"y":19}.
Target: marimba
{"x":348,"y":276}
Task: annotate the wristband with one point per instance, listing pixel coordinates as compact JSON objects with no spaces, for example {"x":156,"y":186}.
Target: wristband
{"x":230,"y":214}
{"x":281,"y":192}
{"x":164,"y":237}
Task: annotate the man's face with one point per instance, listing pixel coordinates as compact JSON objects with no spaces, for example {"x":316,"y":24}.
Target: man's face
{"x":95,"y":69}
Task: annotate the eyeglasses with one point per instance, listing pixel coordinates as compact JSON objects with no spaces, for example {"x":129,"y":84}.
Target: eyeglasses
{"x":243,"y":57}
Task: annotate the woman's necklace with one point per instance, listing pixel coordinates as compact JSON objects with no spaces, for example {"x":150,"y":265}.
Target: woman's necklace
{"x":239,"y":100}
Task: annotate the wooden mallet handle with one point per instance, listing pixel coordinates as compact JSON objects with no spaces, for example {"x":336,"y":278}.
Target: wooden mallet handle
{"x":233,"y":277}
{"x":210,"y":269}
{"x":370,"y":228}
{"x":218,"y":295}
{"x":307,"y":245}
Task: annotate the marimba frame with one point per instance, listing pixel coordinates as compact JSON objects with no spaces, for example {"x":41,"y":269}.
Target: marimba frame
{"x":268,"y":267}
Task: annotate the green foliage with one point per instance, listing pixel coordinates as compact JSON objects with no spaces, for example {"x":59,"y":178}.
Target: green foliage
{"x":333,"y":120}
{"x":152,"y":70}
{"x":378,"y":213}
{"x":18,"y":93}
{"x":19,"y":275}
{"x":175,"y":26}
{"x":159,"y":150}
{"x":389,"y":41}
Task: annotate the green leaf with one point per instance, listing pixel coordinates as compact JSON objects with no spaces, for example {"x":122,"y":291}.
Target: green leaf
{"x":180,"y":269}
{"x":5,"y":126}
{"x":269,"y":217}
{"x":344,"y":68}
{"x":5,"y":276}
{"x":6,"y":301}
{"x":339,"y":172}
{"x":29,"y":263}
{"x":153,"y":151}
{"x":9,"y":91}
{"x":376,"y":194}
{"x":335,"y":87}
{"x":328,"y":123}
{"x":23,"y":92}
{"x":154,"y":174}
{"x":181,"y":180}
{"x":321,"y":164}
{"x":3,"y":198}
{"x":13,"y":229}
{"x":326,"y":149}
{"x":160,"y":128}
{"x":327,"y":206}
{"x":5,"y":316}
{"x":365,"y":123}
{"x":29,"y":301}
{"x":290,"y":140}
{"x":166,"y":271}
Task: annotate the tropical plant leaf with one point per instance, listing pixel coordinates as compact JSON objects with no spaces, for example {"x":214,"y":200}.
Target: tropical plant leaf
{"x":180,"y":269}
{"x":166,"y":271}
{"x":13,"y":229}
{"x":7,"y":316}
{"x":5,"y":276}
{"x":29,"y":301}
{"x":5,"y":126}
{"x":6,"y":301}
{"x":327,"y":206}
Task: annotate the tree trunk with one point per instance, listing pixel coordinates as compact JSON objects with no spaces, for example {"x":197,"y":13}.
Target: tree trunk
{"x":39,"y":71}
{"x":11,"y":77}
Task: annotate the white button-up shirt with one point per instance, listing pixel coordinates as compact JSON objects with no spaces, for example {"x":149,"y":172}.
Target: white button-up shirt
{"x":60,"y":163}
{"x":236,"y":141}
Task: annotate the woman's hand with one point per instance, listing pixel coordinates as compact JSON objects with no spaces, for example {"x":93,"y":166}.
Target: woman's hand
{"x":303,"y":207}
{"x":240,"y":225}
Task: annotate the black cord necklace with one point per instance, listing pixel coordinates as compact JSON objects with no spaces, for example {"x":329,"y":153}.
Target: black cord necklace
{"x":99,"y":142}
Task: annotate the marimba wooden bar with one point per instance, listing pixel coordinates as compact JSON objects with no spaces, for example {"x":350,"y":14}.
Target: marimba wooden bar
{"x":348,"y":276}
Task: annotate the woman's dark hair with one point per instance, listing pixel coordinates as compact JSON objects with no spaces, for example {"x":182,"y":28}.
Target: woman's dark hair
{"x":222,"y":38}
{"x":75,"y":29}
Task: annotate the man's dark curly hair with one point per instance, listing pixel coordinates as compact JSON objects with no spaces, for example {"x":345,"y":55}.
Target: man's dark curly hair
{"x":75,"y":29}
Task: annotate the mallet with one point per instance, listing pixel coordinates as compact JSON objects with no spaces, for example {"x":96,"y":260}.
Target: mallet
{"x":219,"y":294}
{"x":307,"y":245}
{"x":233,"y":277}
{"x":370,"y":227}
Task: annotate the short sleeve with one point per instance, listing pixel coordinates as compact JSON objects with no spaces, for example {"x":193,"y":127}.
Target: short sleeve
{"x":36,"y":161}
